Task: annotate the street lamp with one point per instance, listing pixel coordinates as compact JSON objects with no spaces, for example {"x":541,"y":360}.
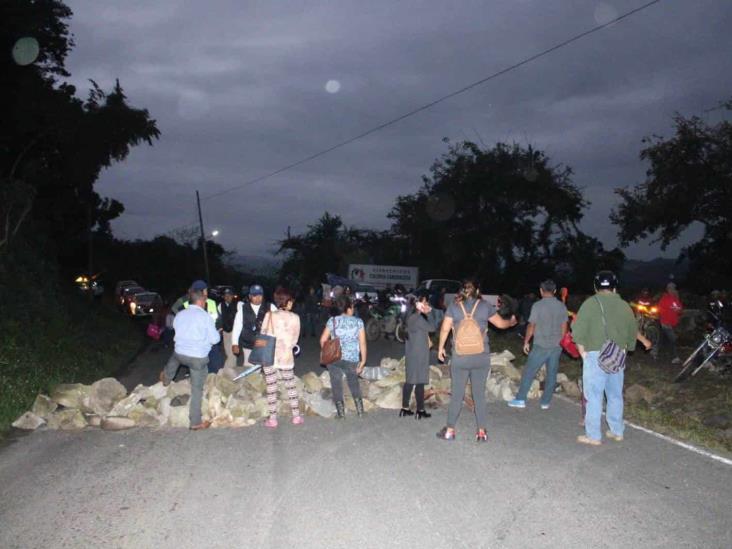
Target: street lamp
{"x":215,"y":233}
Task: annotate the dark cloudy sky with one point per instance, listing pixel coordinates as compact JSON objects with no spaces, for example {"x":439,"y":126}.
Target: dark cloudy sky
{"x":240,"y":89}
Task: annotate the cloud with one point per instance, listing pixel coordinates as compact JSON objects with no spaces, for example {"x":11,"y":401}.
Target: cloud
{"x":239,"y":90}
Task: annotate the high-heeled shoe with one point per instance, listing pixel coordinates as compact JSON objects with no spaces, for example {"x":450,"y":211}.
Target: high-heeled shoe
{"x":446,"y":433}
{"x":405,"y":412}
{"x":481,"y":436}
{"x":422,"y":414}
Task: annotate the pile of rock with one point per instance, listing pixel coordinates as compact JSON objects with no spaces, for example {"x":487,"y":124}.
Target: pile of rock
{"x":242,"y":403}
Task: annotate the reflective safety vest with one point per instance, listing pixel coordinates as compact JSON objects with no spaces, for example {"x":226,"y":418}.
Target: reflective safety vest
{"x":211,"y":308}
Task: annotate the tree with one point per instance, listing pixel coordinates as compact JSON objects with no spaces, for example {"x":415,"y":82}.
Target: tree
{"x":54,"y":145}
{"x":689,"y":181}
{"x":505,"y":214}
{"x":328,"y":246}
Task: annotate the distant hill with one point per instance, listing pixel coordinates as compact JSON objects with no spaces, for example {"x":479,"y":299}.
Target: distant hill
{"x":653,"y":274}
{"x":255,"y":264}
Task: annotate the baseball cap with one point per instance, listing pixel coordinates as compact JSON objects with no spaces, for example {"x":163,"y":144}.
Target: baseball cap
{"x":605,"y":280}
{"x":199,"y":285}
{"x":256,"y":289}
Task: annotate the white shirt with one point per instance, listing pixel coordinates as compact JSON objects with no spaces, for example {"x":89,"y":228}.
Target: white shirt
{"x":195,"y":332}
{"x":239,"y":320}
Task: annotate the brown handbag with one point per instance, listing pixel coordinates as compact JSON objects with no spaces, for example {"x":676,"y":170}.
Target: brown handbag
{"x":331,"y":351}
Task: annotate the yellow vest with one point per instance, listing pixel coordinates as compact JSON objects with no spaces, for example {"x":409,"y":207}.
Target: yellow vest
{"x":211,"y":308}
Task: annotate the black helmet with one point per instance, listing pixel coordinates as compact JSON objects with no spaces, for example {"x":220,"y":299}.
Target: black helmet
{"x":605,"y":280}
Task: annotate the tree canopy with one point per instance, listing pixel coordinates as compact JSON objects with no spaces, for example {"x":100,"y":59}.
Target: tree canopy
{"x":53,"y":145}
{"x":689,"y":181}
{"x":505,"y":214}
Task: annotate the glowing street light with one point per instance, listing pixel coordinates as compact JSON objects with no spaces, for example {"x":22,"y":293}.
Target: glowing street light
{"x":215,"y":232}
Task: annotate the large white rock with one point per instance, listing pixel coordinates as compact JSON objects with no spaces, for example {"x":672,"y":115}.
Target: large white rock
{"x":395,"y":379}
{"x":103,"y":395}
{"x":43,"y":406}
{"x":325,"y":380}
{"x":182,"y":387}
{"x":179,"y":417}
{"x":240,"y":407}
{"x":29,"y":422}
{"x":70,"y":395}
{"x":123,"y":407}
{"x":144,"y":416}
{"x":571,"y":389}
{"x":164,"y":410}
{"x":215,"y":403}
{"x":507,"y":369}
{"x":318,"y":405}
{"x":312,"y":382}
{"x":67,"y":420}
{"x":256,"y":383}
{"x":534,"y":390}
{"x":390,"y":399}
{"x":115,"y":423}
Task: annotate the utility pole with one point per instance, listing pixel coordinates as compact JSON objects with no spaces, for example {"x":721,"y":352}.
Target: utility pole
{"x":203,"y":239}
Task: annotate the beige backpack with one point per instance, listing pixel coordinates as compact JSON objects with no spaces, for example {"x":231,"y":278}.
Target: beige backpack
{"x":468,"y":335}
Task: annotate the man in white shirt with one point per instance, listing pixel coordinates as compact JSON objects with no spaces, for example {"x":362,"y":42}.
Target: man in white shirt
{"x":248,"y":322}
{"x":195,"y":334}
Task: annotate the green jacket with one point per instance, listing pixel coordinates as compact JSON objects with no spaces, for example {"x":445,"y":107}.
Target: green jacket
{"x":622,"y":327}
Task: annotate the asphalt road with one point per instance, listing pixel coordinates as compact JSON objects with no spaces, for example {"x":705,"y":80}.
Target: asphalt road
{"x":382,"y":481}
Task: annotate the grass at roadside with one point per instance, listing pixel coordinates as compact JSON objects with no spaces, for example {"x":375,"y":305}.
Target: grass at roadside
{"x":69,"y":340}
{"x":698,"y":411}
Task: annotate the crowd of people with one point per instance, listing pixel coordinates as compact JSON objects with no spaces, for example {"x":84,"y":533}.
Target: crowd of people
{"x":604,"y":329}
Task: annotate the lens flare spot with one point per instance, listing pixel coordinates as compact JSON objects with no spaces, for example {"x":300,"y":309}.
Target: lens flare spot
{"x":332,"y":86}
{"x":26,"y":50}
{"x":192,"y":104}
{"x":604,"y":13}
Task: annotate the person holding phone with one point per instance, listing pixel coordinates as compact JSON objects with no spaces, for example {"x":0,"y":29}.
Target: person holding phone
{"x":420,"y":322}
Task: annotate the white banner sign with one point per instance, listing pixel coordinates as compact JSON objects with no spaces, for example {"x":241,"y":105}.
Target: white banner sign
{"x":382,"y":276}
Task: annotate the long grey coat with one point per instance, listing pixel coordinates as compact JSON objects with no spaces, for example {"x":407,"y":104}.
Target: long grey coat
{"x":417,"y":348}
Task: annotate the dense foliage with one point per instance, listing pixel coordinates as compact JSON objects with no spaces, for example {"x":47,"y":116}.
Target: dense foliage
{"x":689,"y":181}
{"x":504,"y":214}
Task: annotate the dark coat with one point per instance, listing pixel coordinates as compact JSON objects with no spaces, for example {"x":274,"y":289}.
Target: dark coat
{"x":417,"y":347}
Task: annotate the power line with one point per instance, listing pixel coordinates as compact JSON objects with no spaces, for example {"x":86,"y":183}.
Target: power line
{"x":431,"y":104}
{"x":434,"y":102}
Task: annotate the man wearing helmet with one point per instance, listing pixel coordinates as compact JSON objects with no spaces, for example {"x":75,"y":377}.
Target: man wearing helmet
{"x":602,"y":317}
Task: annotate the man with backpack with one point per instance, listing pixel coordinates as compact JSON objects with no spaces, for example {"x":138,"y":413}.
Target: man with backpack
{"x":605,"y":330}
{"x":468,"y":316}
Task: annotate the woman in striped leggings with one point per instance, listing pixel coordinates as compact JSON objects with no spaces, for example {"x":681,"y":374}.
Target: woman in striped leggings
{"x":285,"y":326}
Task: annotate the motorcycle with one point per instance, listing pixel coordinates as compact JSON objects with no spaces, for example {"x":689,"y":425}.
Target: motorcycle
{"x":387,"y":321}
{"x":648,"y":320}
{"x":715,"y":349}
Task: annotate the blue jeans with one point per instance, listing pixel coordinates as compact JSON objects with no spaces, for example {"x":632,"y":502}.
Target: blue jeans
{"x":537,"y":358}
{"x":199,"y":372}
{"x":595,"y":383}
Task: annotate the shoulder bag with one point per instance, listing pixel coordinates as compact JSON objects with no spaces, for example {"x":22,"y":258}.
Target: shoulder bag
{"x":331,"y":351}
{"x":612,"y":357}
{"x":263,"y":350}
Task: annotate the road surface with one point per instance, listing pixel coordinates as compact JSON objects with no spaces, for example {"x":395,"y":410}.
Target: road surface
{"x":382,"y":481}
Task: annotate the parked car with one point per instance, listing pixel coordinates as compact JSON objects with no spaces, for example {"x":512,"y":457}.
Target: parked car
{"x":90,"y":284}
{"x":126,"y":295}
{"x":121,"y":285}
{"x":144,"y":303}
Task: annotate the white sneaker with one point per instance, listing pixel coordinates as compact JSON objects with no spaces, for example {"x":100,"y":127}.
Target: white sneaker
{"x":544,"y":406}
{"x":677,"y":360}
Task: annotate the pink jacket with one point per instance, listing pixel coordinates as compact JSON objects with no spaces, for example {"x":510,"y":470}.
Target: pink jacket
{"x":285,"y":326}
